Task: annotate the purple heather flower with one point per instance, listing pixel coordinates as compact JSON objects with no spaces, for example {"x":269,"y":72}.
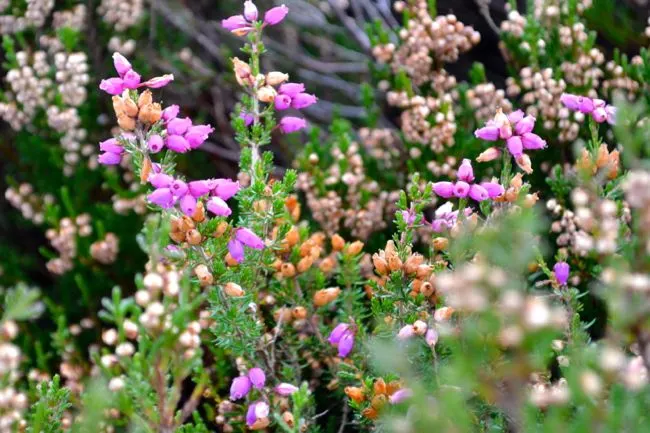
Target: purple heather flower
{"x":177,"y":143}
{"x":431,"y":337}
{"x":178,"y":126}
{"x":400,"y":395}
{"x":445,"y":217}
{"x":406,"y":332}
{"x":585,"y":105}
{"x":131,"y":80}
{"x":257,"y":410}
{"x":250,"y":11}
{"x":170,"y":112}
{"x":197,"y":135}
{"x":291,"y":89}
{"x":122,"y":65}
{"x":516,"y":116}
{"x":599,"y":110}
{"x":248,"y":238}
{"x":444,"y":189}
{"x":158,"y":82}
{"x":465,"y":171}
{"x":337,"y":333}
{"x":461,"y":189}
{"x":599,"y":115}
{"x":240,"y":387}
{"x":611,"y":114}
{"x":275,"y":15}
{"x":225,"y":188}
{"x":155,"y":143}
{"x":478,"y":193}
{"x":236,"y":250}
{"x":303,"y":100}
{"x":188,"y":205}
{"x":200,"y":187}
{"x":291,"y":124}
{"x":112,"y":86}
{"x":561,"y":271}
{"x":218,"y":207}
{"x":346,"y":344}
{"x":163,"y":197}
{"x":282,"y":102}
{"x":248,"y":118}
{"x":111,"y":145}
{"x":525,"y":125}
{"x":515,"y":146}
{"x":532,"y":141}
{"x":109,"y":158}
{"x":570,"y":101}
{"x":285,"y":389}
{"x":257,"y":377}
{"x":487,"y":133}
{"x":160,"y":180}
{"x":493,"y":189}
{"x":408,"y":216}
{"x":235,"y":23}
{"x":178,"y":188}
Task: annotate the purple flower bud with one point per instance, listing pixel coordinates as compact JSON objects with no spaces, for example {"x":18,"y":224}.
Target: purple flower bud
{"x":525,"y":125}
{"x":478,"y":193}
{"x":532,"y":141}
{"x":170,"y":112}
{"x":431,"y":337}
{"x":561,"y":271}
{"x":225,"y":188}
{"x":155,"y":143}
{"x":337,"y":333}
{"x":461,"y":189}
{"x":197,"y":135}
{"x":235,"y":22}
{"x":248,"y":238}
{"x":158,"y":82}
{"x":400,"y":395}
{"x":236,"y":250}
{"x":408,"y":216}
{"x":515,"y":146}
{"x":487,"y":133}
{"x":250,"y":11}
{"x":346,"y":344}
{"x":177,"y":143}
{"x":218,"y":207}
{"x":200,"y":187}
{"x":109,"y":158}
{"x":303,"y":100}
{"x":188,"y":205}
{"x":282,"y":102}
{"x":122,"y":66}
{"x":131,"y":79}
{"x":439,"y":225}
{"x":444,"y":189}
{"x":111,"y":145}
{"x":248,"y":118}
{"x":285,"y":389}
{"x":611,"y":114}
{"x":112,"y":86}
{"x":257,"y":410}
{"x":257,"y":377}
{"x":406,"y":332}
{"x":291,"y":124}
{"x":599,"y":115}
{"x":178,"y":188}
{"x":240,"y":387}
{"x":160,"y":180}
{"x":179,"y":126}
{"x":291,"y":89}
{"x":465,"y":171}
{"x":275,"y":15}
{"x":493,"y":189}
{"x":585,"y":104}
{"x":515,"y":116}
{"x":163,"y":197}
{"x":570,"y":101}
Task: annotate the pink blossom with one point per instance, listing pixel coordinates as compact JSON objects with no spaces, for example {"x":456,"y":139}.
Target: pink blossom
{"x":431,"y":337}
{"x":561,"y":270}
{"x":478,"y":193}
{"x":199,"y":188}
{"x":177,"y":143}
{"x":285,"y":389}
{"x":282,"y":102}
{"x":112,"y":86}
{"x":160,"y":180}
{"x":493,"y":189}
{"x":346,"y":344}
{"x":250,"y":11}
{"x":226,"y":188}
{"x":303,"y":100}
{"x":532,"y":141}
{"x":109,"y":158}
{"x":121,"y":64}
{"x":291,"y":89}
{"x":111,"y":145}
{"x":275,"y":15}
{"x":257,"y":377}
{"x":131,"y":79}
{"x":158,"y":82}
{"x":218,"y":207}
{"x":515,"y":145}
{"x":248,"y":238}
{"x":236,"y":250}
{"x":465,"y":171}
{"x":178,"y":126}
{"x":257,"y":410}
{"x":248,"y":118}
{"x":178,"y":188}
{"x":240,"y":387}
{"x":155,"y":143}
{"x":461,"y":189}
{"x":400,"y":395}
{"x":291,"y":124}
{"x":337,"y":333}
{"x":444,"y":189}
{"x":170,"y":112}
{"x":406,"y":332}
{"x":163,"y":197}
{"x":235,"y":23}
{"x":525,"y":125}
{"x":188,"y":204}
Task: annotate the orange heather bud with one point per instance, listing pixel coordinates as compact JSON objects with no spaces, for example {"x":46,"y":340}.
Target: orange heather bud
{"x":381,"y":265}
{"x":440,"y":244}
{"x":489,"y":154}
{"x":517,"y":181}
{"x":186,"y":223}
{"x":283,"y":314}
{"x":204,"y":275}
{"x":261,"y":423}
{"x":304,"y":264}
{"x":412,"y":263}
{"x":199,"y":212}
{"x":355,"y":394}
{"x":423,"y":271}
{"x":370,"y":413}
{"x":337,"y":242}
{"x":291,"y":202}
{"x":293,"y":236}
{"x":150,"y":113}
{"x":233,"y":290}
{"x":177,"y":236}
{"x":288,"y":270}
{"x":378,"y":401}
{"x":118,"y":106}
{"x":614,"y":163}
{"x":193,"y":237}
{"x":266,"y":94}
{"x":221,"y":229}
{"x":145,"y":170}
{"x":354,"y":248}
{"x":305,"y":248}
{"x":602,"y":158}
{"x":511,"y":195}
{"x":393,"y":387}
{"x":523,"y":161}
{"x":379,"y":387}
{"x":427,"y":289}
{"x":299,"y":313}
{"x":125,"y":122}
{"x":530,"y":200}
{"x":276,"y":78}
{"x":443,"y":314}
{"x":416,"y":285}
{"x":277,"y":264}
{"x":130,"y":107}
{"x":242,"y":72}
{"x":394,"y":263}
{"x":584,"y":163}
{"x":325,"y":296}
{"x":230,"y":261}
{"x":327,"y":264}
{"x":145,"y":98}
{"x":287,"y":417}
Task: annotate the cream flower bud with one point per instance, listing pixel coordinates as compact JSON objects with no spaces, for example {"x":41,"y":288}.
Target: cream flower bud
{"x":266,"y":94}
{"x":276,"y":78}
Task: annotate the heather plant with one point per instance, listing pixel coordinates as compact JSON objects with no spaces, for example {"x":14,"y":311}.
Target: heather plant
{"x":478,"y":266}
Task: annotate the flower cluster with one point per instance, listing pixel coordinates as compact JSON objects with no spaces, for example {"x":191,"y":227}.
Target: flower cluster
{"x":170,"y":191}
{"x":243,"y":24}
{"x":129,"y":79}
{"x":598,"y":109}
{"x":342,"y":337}
{"x":465,"y":186}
